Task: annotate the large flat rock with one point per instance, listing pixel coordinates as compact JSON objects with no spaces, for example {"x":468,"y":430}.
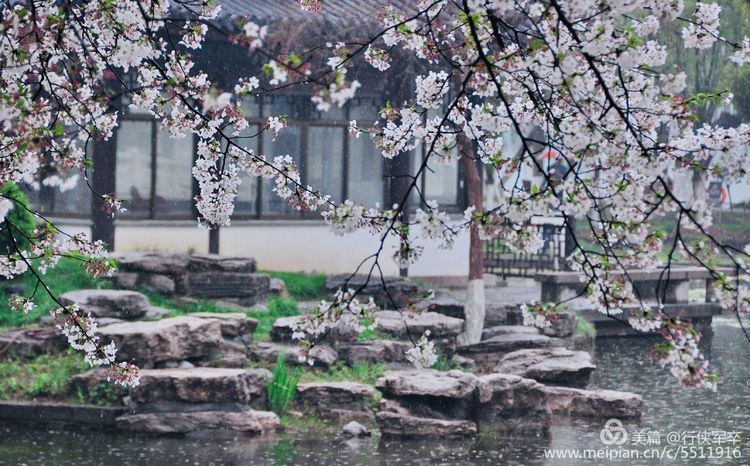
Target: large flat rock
{"x":248,"y":421}
{"x":490,"y":332}
{"x":336,"y":399}
{"x":267,"y":351}
{"x":488,"y":353}
{"x":556,"y":366}
{"x":375,"y":351}
{"x":399,"y":424}
{"x":200,"y":339}
{"x":31,"y":342}
{"x":512,"y":403}
{"x":402,"y":323}
{"x":576,"y":402}
{"x":119,"y":304}
{"x":401,"y":291}
{"x":168,"y":389}
{"x":428,"y":382}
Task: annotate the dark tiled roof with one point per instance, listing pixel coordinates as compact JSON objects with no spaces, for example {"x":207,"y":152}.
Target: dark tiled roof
{"x":349,"y":11}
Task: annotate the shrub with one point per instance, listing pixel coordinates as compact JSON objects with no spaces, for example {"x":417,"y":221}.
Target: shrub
{"x":19,"y":220}
{"x":283,"y":386}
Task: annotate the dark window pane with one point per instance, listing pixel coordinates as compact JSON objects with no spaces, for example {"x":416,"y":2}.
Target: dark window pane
{"x":247,"y":193}
{"x":75,"y":201}
{"x":174,"y":178}
{"x":325,"y":161}
{"x":441,"y":183}
{"x":288,"y":143}
{"x":133,"y":173}
{"x":365,"y":184}
{"x":364,"y":109}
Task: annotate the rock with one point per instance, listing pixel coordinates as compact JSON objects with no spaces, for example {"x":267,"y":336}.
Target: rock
{"x":495,"y":314}
{"x":159,"y":283}
{"x":401,"y":291}
{"x":246,"y":288}
{"x":154,"y":313}
{"x":283,"y":328}
{"x":465,"y":363}
{"x":512,"y":403}
{"x":354,"y":429}
{"x":277,"y":287}
{"x":336,"y":399}
{"x":487,"y":353}
{"x":120,"y":304}
{"x":563,"y":326}
{"x":29,"y":342}
{"x":443,"y":305}
{"x":557,"y":366}
{"x":127,"y":280}
{"x":398,"y":424}
{"x":248,"y":421}
{"x":490,"y":332}
{"x":199,"y":339}
{"x":431,"y":393}
{"x":217,"y":263}
{"x":199,"y":275}
{"x":199,"y":388}
{"x":593,"y":403}
{"x":428,"y":382}
{"x":375,"y":351}
{"x":161,"y":263}
{"x":233,"y":324}
{"x":94,"y":384}
{"x":401,"y":323}
{"x":321,"y":354}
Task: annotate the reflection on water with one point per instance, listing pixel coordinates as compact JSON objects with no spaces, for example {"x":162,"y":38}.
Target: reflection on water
{"x":621,"y":366}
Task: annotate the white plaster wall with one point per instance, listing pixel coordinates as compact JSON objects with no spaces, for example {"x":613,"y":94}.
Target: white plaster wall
{"x":294,"y":246}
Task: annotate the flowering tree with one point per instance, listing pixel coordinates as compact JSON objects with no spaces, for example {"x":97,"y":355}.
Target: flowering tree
{"x":587,"y":73}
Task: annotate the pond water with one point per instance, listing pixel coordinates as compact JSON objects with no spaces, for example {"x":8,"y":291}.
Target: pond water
{"x":669,"y":409}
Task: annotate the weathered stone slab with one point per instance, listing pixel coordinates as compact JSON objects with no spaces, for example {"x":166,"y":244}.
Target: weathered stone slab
{"x":490,"y":332}
{"x":512,"y":403}
{"x":217,"y":263}
{"x":28,"y":343}
{"x":227,"y":285}
{"x":120,"y":304}
{"x":269,"y":352}
{"x":428,"y":382}
{"x":557,"y":366}
{"x":401,"y":291}
{"x":199,"y":339}
{"x":374,"y":351}
{"x":395,"y":424}
{"x":400,"y":323}
{"x":56,"y":414}
{"x":249,"y":421}
{"x":284,"y":327}
{"x":487,"y":353}
{"x":170,"y":389}
{"x":336,"y":399}
{"x":162,"y":263}
{"x":443,"y":305}
{"x":593,"y":403}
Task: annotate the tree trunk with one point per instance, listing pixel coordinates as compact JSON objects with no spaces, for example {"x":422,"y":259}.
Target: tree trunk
{"x":474,"y":308}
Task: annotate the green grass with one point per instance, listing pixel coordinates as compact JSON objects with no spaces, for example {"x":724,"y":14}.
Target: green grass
{"x":445,"y":363}
{"x":44,"y":376}
{"x":69,"y":275}
{"x":584,"y":327}
{"x":277,"y":307}
{"x":283,"y":386}
{"x":362,"y":372}
{"x":302,"y":286}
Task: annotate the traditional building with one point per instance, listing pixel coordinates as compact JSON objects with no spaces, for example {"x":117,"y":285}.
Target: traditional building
{"x":152,"y":172}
